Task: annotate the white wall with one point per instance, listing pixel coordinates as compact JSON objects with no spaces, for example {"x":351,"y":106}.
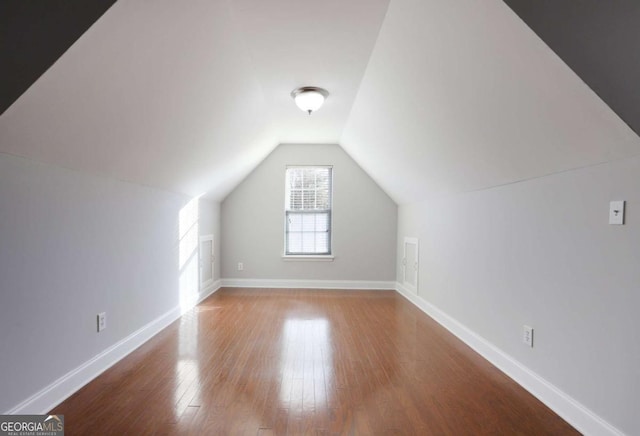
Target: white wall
{"x":542,"y":253}
{"x":364,"y":222}
{"x":71,"y":246}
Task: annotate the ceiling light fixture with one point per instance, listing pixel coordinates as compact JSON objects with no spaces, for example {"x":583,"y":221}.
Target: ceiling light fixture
{"x":309,"y":98}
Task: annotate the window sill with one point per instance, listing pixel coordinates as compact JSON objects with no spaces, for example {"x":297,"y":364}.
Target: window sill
{"x":308,"y":258}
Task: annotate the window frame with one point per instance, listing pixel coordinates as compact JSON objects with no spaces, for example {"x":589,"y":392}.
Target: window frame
{"x":308,"y":256}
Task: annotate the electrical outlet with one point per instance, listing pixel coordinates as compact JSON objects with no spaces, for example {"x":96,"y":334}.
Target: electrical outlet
{"x":102,"y":321}
{"x":240,"y":266}
{"x":527,"y":335}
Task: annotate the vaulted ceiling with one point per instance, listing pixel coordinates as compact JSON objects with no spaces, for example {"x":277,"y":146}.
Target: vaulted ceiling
{"x":428,"y":96}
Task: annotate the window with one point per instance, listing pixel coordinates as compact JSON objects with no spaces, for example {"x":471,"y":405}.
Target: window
{"x":308,"y":211}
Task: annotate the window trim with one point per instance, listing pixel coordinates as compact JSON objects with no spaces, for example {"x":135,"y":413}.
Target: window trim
{"x":308,"y":257}
{"x":311,"y":256}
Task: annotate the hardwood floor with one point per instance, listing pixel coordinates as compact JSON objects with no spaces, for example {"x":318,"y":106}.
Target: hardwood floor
{"x":276,"y":362}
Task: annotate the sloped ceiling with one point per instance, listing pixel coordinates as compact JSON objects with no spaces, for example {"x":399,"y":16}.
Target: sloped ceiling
{"x":295,"y":43}
{"x":428,"y":96}
{"x":190,"y":97}
{"x":461,"y":95}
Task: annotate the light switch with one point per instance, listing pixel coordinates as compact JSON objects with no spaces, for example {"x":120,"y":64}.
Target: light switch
{"x":616,"y":212}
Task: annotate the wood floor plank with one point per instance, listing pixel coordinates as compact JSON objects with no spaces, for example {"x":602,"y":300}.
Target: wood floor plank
{"x":290,"y":361}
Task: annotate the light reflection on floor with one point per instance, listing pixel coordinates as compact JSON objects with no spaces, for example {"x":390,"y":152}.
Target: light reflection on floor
{"x":187,"y":370}
{"x":306,"y":350}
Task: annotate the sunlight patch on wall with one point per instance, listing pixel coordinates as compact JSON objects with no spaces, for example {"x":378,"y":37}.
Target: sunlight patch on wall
{"x":188,"y":258}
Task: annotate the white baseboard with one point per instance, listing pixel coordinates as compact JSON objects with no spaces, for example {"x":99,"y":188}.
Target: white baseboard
{"x":61,"y":389}
{"x":580,"y":417}
{"x":308,"y":284}
{"x":208,"y":290}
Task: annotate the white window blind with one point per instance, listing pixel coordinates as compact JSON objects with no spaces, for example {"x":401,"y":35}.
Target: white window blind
{"x":308,"y":211}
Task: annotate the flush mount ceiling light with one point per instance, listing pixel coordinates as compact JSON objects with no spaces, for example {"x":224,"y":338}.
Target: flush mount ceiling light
{"x":309,"y":98}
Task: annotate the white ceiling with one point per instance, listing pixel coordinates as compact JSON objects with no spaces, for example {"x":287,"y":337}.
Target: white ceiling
{"x":462,"y":95}
{"x":190,"y":97}
{"x":429,"y":96}
{"x":296,"y":43}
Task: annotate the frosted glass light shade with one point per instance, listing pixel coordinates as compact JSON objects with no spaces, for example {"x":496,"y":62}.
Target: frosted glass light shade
{"x":309,"y":101}
{"x":309,"y":98}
